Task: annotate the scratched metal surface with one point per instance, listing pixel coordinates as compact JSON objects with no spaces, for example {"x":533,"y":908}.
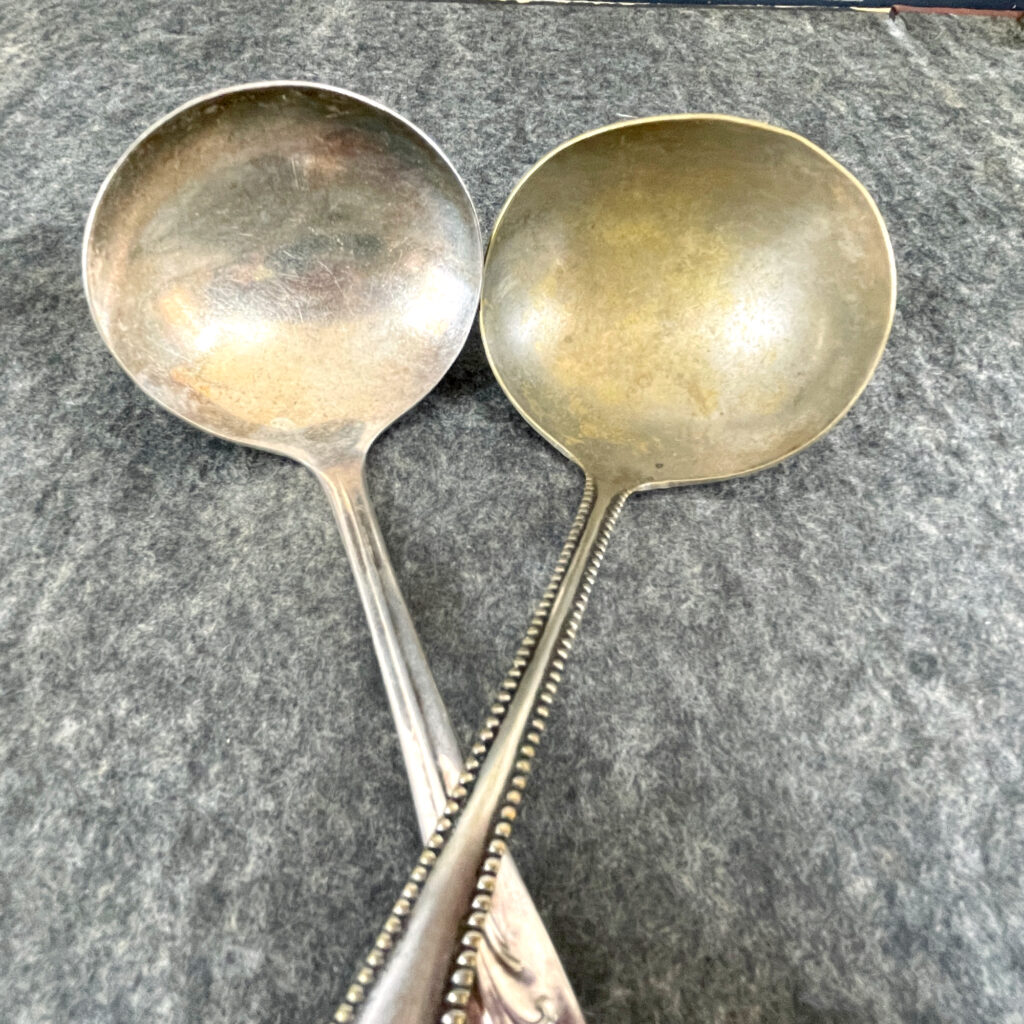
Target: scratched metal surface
{"x":784,"y":779}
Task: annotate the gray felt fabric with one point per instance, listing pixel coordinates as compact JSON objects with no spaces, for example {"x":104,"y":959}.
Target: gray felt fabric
{"x":784,"y":780}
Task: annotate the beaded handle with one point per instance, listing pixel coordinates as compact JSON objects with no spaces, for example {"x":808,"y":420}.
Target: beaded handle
{"x":389,"y":987}
{"x":463,"y":975}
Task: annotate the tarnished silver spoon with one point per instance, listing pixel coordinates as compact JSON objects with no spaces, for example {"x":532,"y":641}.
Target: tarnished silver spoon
{"x":292,"y":267}
{"x":667,"y":301}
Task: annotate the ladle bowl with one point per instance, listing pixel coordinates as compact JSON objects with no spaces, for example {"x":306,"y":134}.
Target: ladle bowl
{"x":668,"y":301}
{"x":283,"y":264}
{"x":679,"y":299}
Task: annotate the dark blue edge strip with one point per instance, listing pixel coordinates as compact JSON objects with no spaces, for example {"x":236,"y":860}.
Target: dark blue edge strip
{"x":996,"y":6}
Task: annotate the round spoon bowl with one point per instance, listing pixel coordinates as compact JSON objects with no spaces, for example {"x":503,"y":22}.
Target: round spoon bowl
{"x":284,"y":264}
{"x":686,"y":298}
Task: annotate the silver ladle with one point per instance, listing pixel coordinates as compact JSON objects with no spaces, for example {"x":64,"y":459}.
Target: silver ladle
{"x":292,"y":267}
{"x":668,"y":301}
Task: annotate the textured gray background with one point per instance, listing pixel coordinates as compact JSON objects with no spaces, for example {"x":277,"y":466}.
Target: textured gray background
{"x":784,"y":783}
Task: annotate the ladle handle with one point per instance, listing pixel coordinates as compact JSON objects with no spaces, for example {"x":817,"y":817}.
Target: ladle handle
{"x":428,"y":952}
{"x":519,"y":969}
{"x":425,"y":734}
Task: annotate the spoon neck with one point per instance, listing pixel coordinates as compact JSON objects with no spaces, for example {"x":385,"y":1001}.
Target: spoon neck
{"x":344,"y":473}
{"x":425,"y":734}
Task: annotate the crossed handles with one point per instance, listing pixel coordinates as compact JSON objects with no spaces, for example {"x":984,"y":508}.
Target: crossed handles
{"x":503,"y":947}
{"x":444,"y":933}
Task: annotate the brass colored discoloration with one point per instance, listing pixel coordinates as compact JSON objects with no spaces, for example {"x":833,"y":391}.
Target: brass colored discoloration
{"x":686,"y":298}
